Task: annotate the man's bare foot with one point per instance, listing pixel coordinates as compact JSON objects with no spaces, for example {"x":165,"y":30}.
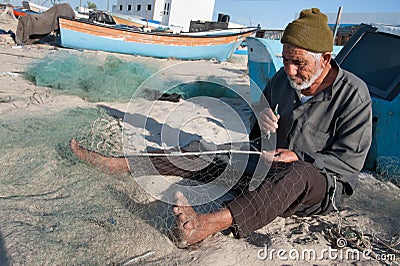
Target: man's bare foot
{"x":189,"y":228}
{"x":193,"y":227}
{"x":108,"y":164}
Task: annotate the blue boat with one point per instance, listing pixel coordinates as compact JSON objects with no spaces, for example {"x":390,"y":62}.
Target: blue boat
{"x":80,"y":34}
{"x":264,"y":60}
{"x":373,"y":54}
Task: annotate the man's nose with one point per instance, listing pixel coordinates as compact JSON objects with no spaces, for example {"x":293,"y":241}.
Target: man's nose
{"x":290,"y":69}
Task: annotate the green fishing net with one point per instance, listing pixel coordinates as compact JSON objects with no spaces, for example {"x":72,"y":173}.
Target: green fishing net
{"x":112,"y":79}
{"x":202,"y":88}
{"x":89,"y":77}
{"x":59,"y":211}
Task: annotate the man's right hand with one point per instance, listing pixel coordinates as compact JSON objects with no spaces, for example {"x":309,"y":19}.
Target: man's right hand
{"x":268,"y":121}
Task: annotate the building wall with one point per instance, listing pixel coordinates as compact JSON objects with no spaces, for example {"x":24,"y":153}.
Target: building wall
{"x":135,"y":8}
{"x":158,"y":10}
{"x":168,"y":12}
{"x":183,"y":11}
{"x":165,"y":11}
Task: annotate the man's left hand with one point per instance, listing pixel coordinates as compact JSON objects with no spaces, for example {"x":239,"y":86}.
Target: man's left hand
{"x":280,"y":155}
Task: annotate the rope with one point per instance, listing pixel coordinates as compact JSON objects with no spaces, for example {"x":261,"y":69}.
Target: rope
{"x":106,"y":132}
{"x":196,"y":153}
{"x":355,"y":238}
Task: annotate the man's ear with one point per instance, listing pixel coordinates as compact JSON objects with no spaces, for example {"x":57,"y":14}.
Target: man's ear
{"x":326,"y":57}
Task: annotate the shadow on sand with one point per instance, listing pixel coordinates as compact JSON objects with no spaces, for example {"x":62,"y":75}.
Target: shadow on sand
{"x":3,"y":252}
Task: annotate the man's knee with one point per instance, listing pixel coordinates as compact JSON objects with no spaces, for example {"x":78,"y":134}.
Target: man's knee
{"x":316,"y":182}
{"x":307,"y":171}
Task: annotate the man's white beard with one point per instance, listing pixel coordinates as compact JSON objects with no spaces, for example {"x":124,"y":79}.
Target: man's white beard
{"x":306,"y":84}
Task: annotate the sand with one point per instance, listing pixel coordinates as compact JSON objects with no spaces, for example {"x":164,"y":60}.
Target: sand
{"x":61,"y":211}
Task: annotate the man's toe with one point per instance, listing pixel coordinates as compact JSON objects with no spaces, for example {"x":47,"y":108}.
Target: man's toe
{"x":176,"y":210}
{"x":188,"y":225}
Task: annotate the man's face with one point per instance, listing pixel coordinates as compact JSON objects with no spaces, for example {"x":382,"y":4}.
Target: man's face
{"x":301,"y":67}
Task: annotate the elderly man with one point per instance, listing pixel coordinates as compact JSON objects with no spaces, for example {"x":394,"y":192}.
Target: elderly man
{"x":323,"y":137}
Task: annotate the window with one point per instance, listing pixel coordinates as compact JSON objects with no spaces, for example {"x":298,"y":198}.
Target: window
{"x":149,"y":7}
{"x":129,"y":7}
{"x":120,"y":7}
{"x":166,"y":8}
{"x":138,"y":7}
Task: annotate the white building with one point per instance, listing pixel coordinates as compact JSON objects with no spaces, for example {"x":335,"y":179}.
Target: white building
{"x":168,"y":12}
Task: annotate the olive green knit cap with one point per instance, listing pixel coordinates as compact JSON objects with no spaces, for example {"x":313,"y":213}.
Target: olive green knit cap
{"x":310,"y":32}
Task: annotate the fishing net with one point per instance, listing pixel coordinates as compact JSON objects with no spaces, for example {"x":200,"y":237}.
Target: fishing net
{"x":111,"y":79}
{"x":60,"y":211}
{"x":74,"y":213}
{"x":89,"y":76}
{"x":388,"y":167}
{"x":202,"y":88}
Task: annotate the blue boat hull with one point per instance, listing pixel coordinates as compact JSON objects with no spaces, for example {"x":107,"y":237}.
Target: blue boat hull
{"x":83,"y":40}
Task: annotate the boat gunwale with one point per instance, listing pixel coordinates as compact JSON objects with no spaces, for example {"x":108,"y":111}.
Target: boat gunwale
{"x":251,"y":30}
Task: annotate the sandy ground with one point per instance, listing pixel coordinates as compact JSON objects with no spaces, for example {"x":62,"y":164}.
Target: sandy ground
{"x":60,"y":211}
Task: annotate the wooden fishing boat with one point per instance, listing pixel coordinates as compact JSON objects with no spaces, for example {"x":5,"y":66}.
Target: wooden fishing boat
{"x":81,"y":34}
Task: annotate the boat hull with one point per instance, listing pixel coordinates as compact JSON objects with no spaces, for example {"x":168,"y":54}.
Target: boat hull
{"x":127,"y":22}
{"x":82,"y":35}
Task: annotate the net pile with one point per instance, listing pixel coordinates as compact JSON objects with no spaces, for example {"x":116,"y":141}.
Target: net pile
{"x":86,"y":76}
{"x":104,"y":135}
{"x":60,"y":211}
{"x":389,"y":169}
{"x":202,"y":88}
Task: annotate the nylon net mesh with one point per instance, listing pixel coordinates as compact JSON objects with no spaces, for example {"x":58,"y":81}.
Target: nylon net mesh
{"x":74,"y":209}
{"x":389,"y":168}
{"x":73,"y":213}
{"x":89,"y":76}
